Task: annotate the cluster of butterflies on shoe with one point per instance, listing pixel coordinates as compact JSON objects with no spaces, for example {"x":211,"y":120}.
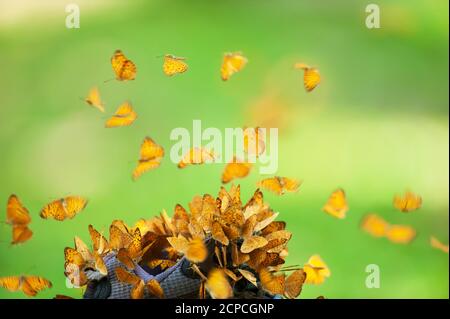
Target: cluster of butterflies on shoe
{"x":250,"y":246}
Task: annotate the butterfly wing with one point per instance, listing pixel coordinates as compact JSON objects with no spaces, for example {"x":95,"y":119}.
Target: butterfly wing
{"x":73,"y":205}
{"x":401,"y":234}
{"x":93,"y":99}
{"x":54,"y":210}
{"x":311,"y":79}
{"x":235,"y":169}
{"x":31,"y":285}
{"x":217,"y":284}
{"x":272,"y":184}
{"x":374,"y":225}
{"x":11,"y":283}
{"x":20,"y":234}
{"x":232,"y":63}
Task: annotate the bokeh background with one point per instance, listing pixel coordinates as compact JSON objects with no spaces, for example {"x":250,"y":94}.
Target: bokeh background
{"x":376,"y":126}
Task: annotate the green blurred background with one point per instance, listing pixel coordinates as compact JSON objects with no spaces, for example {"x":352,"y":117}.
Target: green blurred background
{"x":376,"y":126}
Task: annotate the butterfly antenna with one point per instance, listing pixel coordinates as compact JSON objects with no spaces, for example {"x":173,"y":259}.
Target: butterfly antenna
{"x":106,"y":81}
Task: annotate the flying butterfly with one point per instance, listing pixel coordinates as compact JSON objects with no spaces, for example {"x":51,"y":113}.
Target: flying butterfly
{"x":232,"y":63}
{"x":61,"y":209}
{"x":123,"y":68}
{"x":93,"y":99}
{"x":124,"y":116}
{"x":254,"y":141}
{"x":150,"y":157}
{"x":336,"y":205}
{"x":235,"y":169}
{"x":196,"y":156}
{"x":374,"y":225}
{"x":273,"y":284}
{"x":294,"y":283}
{"x":316,"y":270}
{"x":217,"y":284}
{"x":401,"y":234}
{"x":174,"y":65}
{"x":311,"y":77}
{"x":30,"y":285}
{"x":408,"y":202}
{"x":18,"y":216}
{"x":279,"y":185}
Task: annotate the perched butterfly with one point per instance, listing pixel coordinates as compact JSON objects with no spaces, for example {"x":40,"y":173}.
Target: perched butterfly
{"x":316,"y":270}
{"x":249,"y":276}
{"x":99,"y":243}
{"x":251,"y":243}
{"x":138,"y":285}
{"x":436,"y":243}
{"x":217,"y":284}
{"x":235,"y":169}
{"x":18,"y":216}
{"x":401,"y":234}
{"x":194,"y":249}
{"x":408,"y":202}
{"x":30,"y":285}
{"x":374,"y":225}
{"x":196,"y":156}
{"x":336,"y":205}
{"x":123,"y":68}
{"x":63,"y":208}
{"x":279,"y":185}
{"x":254,"y":141}
{"x":124,"y":116}
{"x":273,"y":284}
{"x":311,"y":77}
{"x":173,"y":65}
{"x":232,"y":63}
{"x":294,"y":283}
{"x":93,"y":99}
{"x":150,"y":157}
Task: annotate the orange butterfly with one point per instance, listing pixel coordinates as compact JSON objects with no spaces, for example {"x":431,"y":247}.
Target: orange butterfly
{"x":235,"y":169}
{"x":311,"y":77}
{"x":124,"y":116}
{"x":336,"y":205}
{"x":436,"y":243}
{"x":18,"y":216}
{"x":150,"y":157}
{"x":93,"y":99}
{"x":279,"y":185}
{"x":30,"y":285}
{"x":232,"y":63}
{"x":316,"y":270}
{"x":196,"y":156}
{"x":123,"y":68}
{"x":274,"y":284}
{"x":408,"y":202}
{"x":254,"y":143}
{"x":217,"y":284}
{"x":401,"y":234}
{"x":63,"y":208}
{"x":374,"y":225}
{"x":173,"y":65}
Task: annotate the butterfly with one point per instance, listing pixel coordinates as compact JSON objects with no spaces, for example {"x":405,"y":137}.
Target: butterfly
{"x":93,"y":99}
{"x":18,"y":216}
{"x":30,"y":285}
{"x":336,"y":205}
{"x":99,"y":243}
{"x":150,"y":157}
{"x":254,"y":141}
{"x":374,"y":225}
{"x":232,"y":63}
{"x":217,"y":284}
{"x":273,"y":284}
{"x":235,"y":169}
{"x":401,"y":234}
{"x":251,"y":243}
{"x":124,"y":116}
{"x":196,"y":156}
{"x":311,"y":77}
{"x":408,"y":202}
{"x":279,"y":185}
{"x":173,"y":65}
{"x":63,"y":208}
{"x":316,"y":270}
{"x":436,"y":243}
{"x":294,"y":283}
{"x":123,"y":68}
{"x":194,"y":249}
